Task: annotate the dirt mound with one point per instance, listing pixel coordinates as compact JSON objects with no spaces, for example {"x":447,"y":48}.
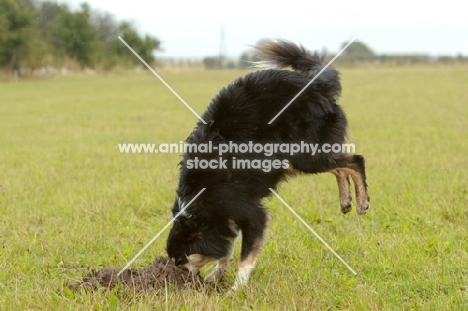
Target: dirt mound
{"x":156,"y":276}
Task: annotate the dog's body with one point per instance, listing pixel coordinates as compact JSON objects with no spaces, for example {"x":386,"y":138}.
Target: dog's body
{"x":240,"y":113}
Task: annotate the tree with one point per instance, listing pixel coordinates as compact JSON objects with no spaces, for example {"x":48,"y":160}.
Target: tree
{"x":32,"y":31}
{"x":357,"y":51}
{"x":16,"y":23}
{"x":143,"y":46}
{"x":107,"y":32}
{"x":75,"y":37}
{"x":4,"y":32}
{"x":48,"y":14}
{"x":106,"y":26}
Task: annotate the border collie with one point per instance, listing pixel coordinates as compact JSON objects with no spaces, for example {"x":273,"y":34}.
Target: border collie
{"x":240,"y":113}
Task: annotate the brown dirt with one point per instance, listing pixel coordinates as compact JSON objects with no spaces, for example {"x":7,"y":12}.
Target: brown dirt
{"x":159,"y":274}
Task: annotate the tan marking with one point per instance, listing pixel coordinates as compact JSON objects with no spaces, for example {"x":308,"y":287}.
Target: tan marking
{"x":197,"y":261}
{"x":251,"y":259}
{"x":234,"y":227}
{"x":342,"y":179}
{"x":362,"y":197}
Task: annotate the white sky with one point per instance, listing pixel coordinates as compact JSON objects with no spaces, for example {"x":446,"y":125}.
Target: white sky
{"x":193,"y":28}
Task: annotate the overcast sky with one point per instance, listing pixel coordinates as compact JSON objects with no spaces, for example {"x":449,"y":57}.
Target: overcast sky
{"x":193,"y":28}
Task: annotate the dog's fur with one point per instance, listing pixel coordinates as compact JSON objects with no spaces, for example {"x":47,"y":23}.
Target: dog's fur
{"x":232,"y":201}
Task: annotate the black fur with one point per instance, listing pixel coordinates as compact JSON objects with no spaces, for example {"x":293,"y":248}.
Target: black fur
{"x":240,"y":113}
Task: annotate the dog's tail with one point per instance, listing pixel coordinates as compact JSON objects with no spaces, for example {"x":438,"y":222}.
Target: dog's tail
{"x":281,"y":53}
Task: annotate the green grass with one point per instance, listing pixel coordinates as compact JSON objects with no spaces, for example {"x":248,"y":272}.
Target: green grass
{"x":69,"y":201}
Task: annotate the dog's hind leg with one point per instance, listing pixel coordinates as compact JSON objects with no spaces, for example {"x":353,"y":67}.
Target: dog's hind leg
{"x":253,"y":238}
{"x":342,"y":179}
{"x":355,"y":167}
{"x":344,"y":164}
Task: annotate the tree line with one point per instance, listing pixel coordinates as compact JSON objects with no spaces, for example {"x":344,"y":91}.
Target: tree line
{"x":360,"y":53}
{"x":34,"y":34}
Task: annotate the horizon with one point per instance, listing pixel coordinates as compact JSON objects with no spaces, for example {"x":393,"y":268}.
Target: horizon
{"x":401,"y":28}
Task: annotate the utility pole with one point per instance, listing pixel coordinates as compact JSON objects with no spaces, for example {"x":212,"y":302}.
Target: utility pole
{"x":222,"y":59}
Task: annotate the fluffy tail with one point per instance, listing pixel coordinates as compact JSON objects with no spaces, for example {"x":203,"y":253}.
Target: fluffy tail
{"x":281,"y":53}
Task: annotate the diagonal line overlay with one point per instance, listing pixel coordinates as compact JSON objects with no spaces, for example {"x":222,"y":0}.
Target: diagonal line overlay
{"x":160,"y":232}
{"x":311,"y":81}
{"x":162,"y":80}
{"x":312,"y":230}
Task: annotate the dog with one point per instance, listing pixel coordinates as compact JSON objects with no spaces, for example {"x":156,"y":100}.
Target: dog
{"x":231,"y":203}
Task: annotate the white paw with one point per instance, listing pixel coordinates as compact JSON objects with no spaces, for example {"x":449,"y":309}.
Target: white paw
{"x":235,"y":287}
{"x":243,"y":276}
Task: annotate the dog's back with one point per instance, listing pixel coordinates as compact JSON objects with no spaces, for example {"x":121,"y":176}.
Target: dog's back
{"x":241,"y":114}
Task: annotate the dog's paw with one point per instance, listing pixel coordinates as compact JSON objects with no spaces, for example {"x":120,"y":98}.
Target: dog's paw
{"x":346,"y":207}
{"x":236,"y":286}
{"x":363,"y":207}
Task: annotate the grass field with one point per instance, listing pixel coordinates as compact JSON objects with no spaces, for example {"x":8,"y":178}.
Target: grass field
{"x":69,"y":201}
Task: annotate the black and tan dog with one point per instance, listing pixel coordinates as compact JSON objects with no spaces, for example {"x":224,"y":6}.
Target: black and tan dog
{"x":240,"y":113}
